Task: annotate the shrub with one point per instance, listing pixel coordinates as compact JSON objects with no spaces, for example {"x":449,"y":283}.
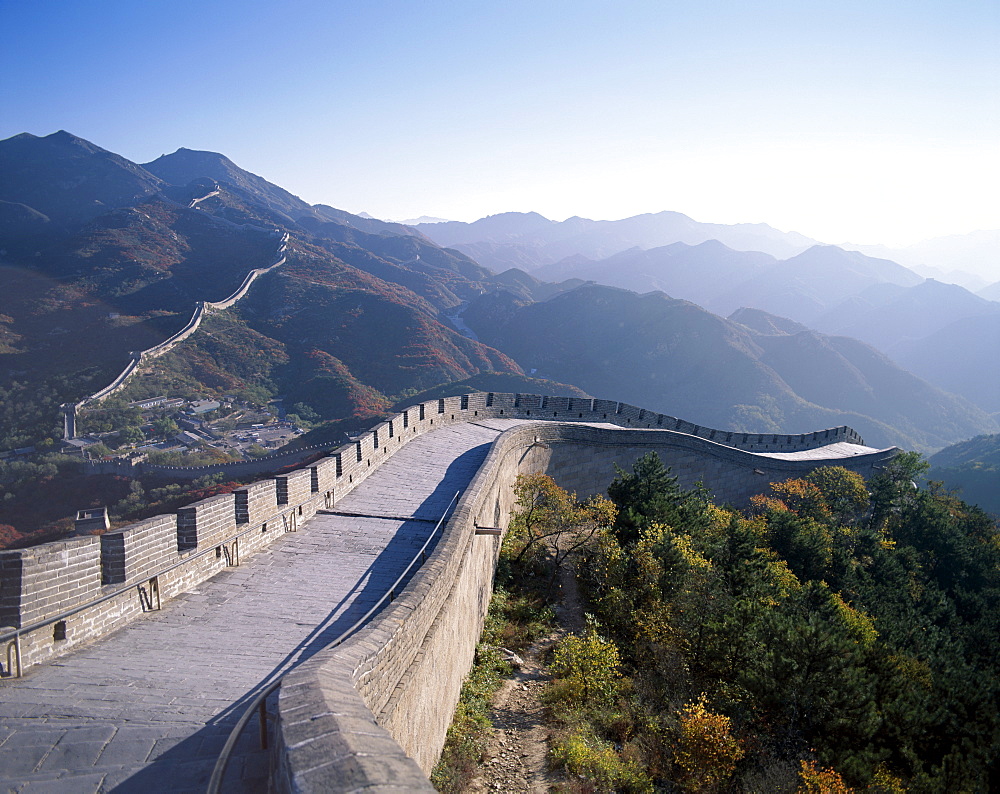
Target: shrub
{"x":588,"y":666}
{"x":707,"y":753}
{"x":583,"y":754}
{"x":820,"y":781}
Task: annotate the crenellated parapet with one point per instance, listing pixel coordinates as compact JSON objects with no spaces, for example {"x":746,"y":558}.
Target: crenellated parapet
{"x":166,"y":554}
{"x":585,"y":409}
{"x":401,"y":673}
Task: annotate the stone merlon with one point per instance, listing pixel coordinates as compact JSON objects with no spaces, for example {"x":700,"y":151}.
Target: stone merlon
{"x":307,"y":554}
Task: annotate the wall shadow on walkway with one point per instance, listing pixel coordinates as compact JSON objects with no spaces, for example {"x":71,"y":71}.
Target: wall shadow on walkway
{"x":187,"y":765}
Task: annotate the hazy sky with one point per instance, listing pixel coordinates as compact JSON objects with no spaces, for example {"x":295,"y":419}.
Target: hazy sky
{"x":872,"y":121}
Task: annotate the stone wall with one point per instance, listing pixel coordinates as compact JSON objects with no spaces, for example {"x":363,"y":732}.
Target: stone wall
{"x":110,"y":579}
{"x":399,"y":678}
{"x":238,"y":470}
{"x":139,"y":357}
{"x":382,"y":701}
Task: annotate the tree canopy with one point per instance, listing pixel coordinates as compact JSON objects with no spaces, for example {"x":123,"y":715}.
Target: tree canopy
{"x":845,"y":630}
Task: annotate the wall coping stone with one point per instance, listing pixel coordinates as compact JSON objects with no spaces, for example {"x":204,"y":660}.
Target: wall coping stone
{"x":395,"y":637}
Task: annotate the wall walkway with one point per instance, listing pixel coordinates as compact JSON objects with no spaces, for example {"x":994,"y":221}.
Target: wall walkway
{"x":372,"y":712}
{"x":149,"y":707}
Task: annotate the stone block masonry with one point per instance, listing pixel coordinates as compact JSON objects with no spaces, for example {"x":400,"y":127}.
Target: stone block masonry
{"x":400,"y":675}
{"x":138,"y":551}
{"x":295,"y":487}
{"x":206,"y":523}
{"x":324,"y":478}
{"x":257,"y":502}
{"x":51,"y":578}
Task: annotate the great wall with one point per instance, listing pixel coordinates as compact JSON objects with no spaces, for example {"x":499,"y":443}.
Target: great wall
{"x":371,"y":711}
{"x":140,"y":357}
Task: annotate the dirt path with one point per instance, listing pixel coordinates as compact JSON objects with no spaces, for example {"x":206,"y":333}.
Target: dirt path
{"x":516,"y":751}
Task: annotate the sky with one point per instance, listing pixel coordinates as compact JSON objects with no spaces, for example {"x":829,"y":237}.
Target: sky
{"x":863,"y":122}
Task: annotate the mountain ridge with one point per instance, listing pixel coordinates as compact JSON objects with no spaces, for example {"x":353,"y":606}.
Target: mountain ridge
{"x":537,"y":241}
{"x":364,"y":311}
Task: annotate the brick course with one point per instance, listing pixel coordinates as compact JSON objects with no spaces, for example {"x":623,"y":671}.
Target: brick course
{"x":406,"y":666}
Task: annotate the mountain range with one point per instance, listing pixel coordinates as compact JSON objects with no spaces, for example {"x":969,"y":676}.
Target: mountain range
{"x":972,"y":469}
{"x":126,"y":274}
{"x":529,"y":240}
{"x":922,"y":324}
{"x":101,"y":256}
{"x":752,"y":370}
{"x":966,"y":259}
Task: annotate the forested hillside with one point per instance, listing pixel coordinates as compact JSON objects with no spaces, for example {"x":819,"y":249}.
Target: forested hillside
{"x":837,"y":636}
{"x":354,"y":320}
{"x":972,"y":469}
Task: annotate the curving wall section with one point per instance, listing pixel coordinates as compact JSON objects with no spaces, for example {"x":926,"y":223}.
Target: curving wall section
{"x":374,"y":711}
{"x":237,"y":470}
{"x":139,"y":357}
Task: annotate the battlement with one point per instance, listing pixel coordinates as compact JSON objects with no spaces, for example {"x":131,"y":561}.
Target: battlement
{"x":406,"y":665}
{"x":166,"y":554}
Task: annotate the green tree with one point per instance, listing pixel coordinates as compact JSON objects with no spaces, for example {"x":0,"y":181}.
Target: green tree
{"x":649,"y":494}
{"x":707,"y":752}
{"x":844,"y":492}
{"x":812,"y":673}
{"x":131,"y":436}
{"x":550,"y":523}
{"x":99,"y":450}
{"x":804,"y":543}
{"x":257,"y":451}
{"x":165,"y":427}
{"x":588,"y":665}
{"x":895,"y":486}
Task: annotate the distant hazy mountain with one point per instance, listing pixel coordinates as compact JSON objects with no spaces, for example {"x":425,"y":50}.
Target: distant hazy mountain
{"x":888,"y":314}
{"x":529,"y":240}
{"x":764,"y":323}
{"x":805,"y":287}
{"x":962,"y":278}
{"x":973,"y":468}
{"x":961,"y":358}
{"x":991,"y":293}
{"x":390,"y":251}
{"x":415,"y":221}
{"x":527,"y":286}
{"x":187,"y":165}
{"x":370,"y":225}
{"x":812,"y":283}
{"x":976,"y":253}
{"x":840,"y":292}
{"x":673,"y":356}
{"x":694,"y":272}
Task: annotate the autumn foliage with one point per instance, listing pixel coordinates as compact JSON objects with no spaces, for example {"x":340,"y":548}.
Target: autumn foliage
{"x":821,"y":781}
{"x":707,"y":751}
{"x":839,"y":635}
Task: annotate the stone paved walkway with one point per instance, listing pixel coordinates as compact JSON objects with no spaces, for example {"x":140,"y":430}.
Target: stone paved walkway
{"x":148,"y":708}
